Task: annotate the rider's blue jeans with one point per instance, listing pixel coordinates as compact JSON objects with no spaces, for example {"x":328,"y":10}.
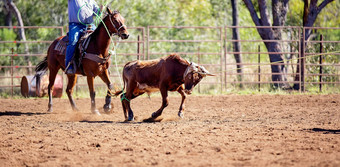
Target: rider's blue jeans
{"x":75,"y":29}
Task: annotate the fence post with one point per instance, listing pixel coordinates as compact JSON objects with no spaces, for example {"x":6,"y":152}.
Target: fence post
{"x":303,"y":60}
{"x":259,"y":69}
{"x":12,"y":73}
{"x":143,"y":43}
{"x":138,"y":49}
{"x":199,"y":62}
{"x":221,"y":56}
{"x":321,"y":59}
{"x":225,"y":58}
{"x":147,"y":43}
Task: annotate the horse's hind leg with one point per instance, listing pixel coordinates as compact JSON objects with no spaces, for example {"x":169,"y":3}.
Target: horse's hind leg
{"x":53,"y":74}
{"x":72,"y":79}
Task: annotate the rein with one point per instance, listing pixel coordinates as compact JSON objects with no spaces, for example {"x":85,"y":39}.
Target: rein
{"x":114,"y":26}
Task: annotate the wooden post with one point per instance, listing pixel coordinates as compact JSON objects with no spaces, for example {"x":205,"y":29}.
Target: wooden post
{"x":259,"y":68}
{"x":321,"y":59}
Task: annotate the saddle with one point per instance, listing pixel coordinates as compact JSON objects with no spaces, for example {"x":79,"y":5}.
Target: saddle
{"x":80,"y":52}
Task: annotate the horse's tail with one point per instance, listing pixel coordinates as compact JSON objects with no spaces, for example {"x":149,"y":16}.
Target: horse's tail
{"x":42,"y":66}
{"x":40,"y":70}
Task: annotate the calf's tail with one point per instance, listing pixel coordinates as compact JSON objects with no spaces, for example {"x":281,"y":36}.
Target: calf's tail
{"x":118,"y":93}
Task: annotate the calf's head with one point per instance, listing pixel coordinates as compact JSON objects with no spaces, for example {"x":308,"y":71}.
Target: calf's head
{"x":193,"y":75}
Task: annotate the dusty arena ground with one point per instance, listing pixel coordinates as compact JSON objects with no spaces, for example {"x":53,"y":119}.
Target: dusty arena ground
{"x":230,"y":130}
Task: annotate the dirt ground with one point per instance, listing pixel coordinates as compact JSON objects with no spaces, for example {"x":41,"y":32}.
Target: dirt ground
{"x":229,"y":130}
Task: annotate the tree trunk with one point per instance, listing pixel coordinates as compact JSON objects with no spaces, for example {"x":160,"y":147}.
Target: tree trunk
{"x":13,"y":8}
{"x":279,"y":15}
{"x":310,"y":13}
{"x":8,"y":19}
{"x":277,"y":68}
{"x":236,"y":44}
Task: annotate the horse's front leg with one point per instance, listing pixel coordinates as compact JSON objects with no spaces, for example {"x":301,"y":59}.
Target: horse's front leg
{"x":105,"y":77}
{"x":92,"y":95}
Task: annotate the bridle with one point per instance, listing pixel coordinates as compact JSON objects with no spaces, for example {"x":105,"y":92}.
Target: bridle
{"x":114,"y":26}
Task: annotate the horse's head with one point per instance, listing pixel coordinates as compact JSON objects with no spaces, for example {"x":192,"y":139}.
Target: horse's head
{"x":115,"y":23}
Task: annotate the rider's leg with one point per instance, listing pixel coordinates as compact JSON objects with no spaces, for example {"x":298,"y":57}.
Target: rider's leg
{"x":74,"y":34}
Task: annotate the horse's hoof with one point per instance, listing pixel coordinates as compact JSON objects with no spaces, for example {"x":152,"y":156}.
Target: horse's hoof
{"x":107,"y":108}
{"x":180,"y":114}
{"x":50,"y":110}
{"x":75,"y":109}
{"x":96,"y":112}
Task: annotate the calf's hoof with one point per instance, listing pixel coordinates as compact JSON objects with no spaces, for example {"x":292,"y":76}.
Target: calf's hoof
{"x":154,"y":115}
{"x":131,"y":119}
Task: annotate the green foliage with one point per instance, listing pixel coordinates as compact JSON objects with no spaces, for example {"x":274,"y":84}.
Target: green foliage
{"x":6,"y":35}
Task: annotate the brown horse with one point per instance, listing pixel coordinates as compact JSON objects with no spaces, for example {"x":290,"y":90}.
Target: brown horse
{"x":98,"y":47}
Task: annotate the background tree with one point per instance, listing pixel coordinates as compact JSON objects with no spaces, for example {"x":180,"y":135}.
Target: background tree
{"x":279,"y":13}
{"x":310,"y":12}
{"x":12,"y":8}
{"x":236,"y":36}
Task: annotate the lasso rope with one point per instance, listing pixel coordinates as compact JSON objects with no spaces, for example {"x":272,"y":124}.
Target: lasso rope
{"x":115,"y":46}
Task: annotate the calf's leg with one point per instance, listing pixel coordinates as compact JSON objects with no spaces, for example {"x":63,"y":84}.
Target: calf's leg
{"x":124,"y":104}
{"x":181,"y":107}
{"x":165,"y":102}
{"x":126,"y":98}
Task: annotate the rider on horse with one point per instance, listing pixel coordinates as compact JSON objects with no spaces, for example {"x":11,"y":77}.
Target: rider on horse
{"x":80,"y":14}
